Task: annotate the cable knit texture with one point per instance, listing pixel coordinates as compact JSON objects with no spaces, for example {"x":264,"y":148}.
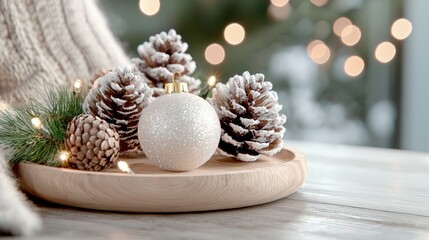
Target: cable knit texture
{"x":51,"y":42}
{"x":46,"y":43}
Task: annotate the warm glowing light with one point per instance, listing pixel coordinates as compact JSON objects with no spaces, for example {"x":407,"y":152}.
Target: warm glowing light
{"x":318,"y":52}
{"x":37,"y":123}
{"x":350,"y":35}
{"x":340,"y":24}
{"x":354,"y":66}
{"x":279,"y":3}
{"x":385,"y":52}
{"x":123,"y":166}
{"x":214,"y":54}
{"x":234,"y":33}
{"x":211,"y":81}
{"x":401,"y":28}
{"x":77,"y":85}
{"x":4,"y":106}
{"x":149,"y":7}
{"x":279,"y":13}
{"x":319,"y":3}
{"x":64,"y":155}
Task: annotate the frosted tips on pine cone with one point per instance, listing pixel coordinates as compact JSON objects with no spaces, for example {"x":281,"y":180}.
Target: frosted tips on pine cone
{"x":93,"y":144}
{"x":160,"y":57}
{"x":248,"y":110}
{"x":119,"y":97}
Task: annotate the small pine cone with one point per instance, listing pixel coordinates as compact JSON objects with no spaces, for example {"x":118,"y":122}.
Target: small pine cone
{"x":248,"y":111}
{"x":119,"y":97}
{"x":163,"y":55}
{"x":93,"y":144}
{"x":96,"y":76}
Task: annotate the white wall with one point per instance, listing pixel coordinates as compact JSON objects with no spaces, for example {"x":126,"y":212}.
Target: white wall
{"x":415,"y":103}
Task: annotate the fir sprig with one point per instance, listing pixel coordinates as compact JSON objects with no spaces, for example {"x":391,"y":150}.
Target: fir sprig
{"x":40,"y":145}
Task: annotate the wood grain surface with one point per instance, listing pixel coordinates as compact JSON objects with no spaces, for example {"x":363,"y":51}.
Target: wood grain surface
{"x":222,"y":183}
{"x":350,"y":193}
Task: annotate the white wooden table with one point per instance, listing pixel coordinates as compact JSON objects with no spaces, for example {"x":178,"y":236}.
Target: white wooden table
{"x":350,"y":193}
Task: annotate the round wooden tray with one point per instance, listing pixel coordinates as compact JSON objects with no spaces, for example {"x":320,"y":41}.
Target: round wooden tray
{"x":222,"y":183}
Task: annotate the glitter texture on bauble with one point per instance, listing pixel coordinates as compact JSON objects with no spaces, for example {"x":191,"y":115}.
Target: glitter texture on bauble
{"x":179,"y":131}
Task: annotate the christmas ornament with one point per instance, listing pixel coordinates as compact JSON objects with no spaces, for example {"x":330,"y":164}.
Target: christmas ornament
{"x":119,"y":97}
{"x":248,"y":111}
{"x":179,"y":131}
{"x":163,"y":55}
{"x":92,"y":143}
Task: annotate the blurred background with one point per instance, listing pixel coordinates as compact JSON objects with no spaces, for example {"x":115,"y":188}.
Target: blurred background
{"x":346,"y":71}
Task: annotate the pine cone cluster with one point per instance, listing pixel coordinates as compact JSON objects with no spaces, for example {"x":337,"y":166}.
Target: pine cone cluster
{"x":119,"y":97}
{"x":93,"y":144}
{"x":248,"y":110}
{"x":163,"y":55}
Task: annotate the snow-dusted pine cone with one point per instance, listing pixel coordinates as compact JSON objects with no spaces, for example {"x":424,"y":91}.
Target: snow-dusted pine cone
{"x":119,"y":98}
{"x":93,"y":144}
{"x":248,"y":111}
{"x":163,"y":55}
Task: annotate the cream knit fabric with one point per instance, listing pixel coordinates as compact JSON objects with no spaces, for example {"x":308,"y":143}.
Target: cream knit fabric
{"x":46,"y":43}
{"x":51,"y":42}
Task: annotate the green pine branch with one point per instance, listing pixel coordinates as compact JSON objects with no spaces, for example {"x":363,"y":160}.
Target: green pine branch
{"x":40,"y":145}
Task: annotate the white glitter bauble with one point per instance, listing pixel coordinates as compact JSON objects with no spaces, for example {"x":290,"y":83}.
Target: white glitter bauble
{"x":179,"y":131}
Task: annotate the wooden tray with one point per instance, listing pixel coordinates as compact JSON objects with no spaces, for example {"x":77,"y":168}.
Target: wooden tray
{"x":222,"y":183}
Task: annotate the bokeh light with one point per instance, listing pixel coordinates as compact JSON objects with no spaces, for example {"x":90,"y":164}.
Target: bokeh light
{"x":279,"y":3}
{"x":214,"y":54}
{"x":350,"y":35}
{"x":279,"y":13}
{"x":211,"y":81}
{"x":401,"y":28}
{"x":340,"y":24}
{"x":354,"y":66}
{"x":385,"y":52}
{"x":319,"y":3}
{"x":234,"y":33}
{"x":318,"y":52}
{"x":149,"y":7}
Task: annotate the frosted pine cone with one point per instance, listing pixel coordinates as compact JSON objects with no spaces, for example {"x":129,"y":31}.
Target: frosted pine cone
{"x":119,"y":98}
{"x":163,"y":55}
{"x":93,"y":144}
{"x":248,"y":111}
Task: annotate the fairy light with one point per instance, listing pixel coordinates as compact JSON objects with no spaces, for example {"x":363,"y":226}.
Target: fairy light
{"x":149,"y":7}
{"x":37,"y":123}
{"x":401,"y":28}
{"x":214,"y":54}
{"x":77,"y":86}
{"x":385,"y":52}
{"x":64,"y":155}
{"x":354,"y":66}
{"x":318,"y":52}
{"x":319,"y":3}
{"x":4,"y":106}
{"x":350,"y":35}
{"x":211,"y":81}
{"x":234,"y":33}
{"x":279,"y":3}
{"x":340,"y":24}
{"x":123,"y":166}
{"x":279,"y":13}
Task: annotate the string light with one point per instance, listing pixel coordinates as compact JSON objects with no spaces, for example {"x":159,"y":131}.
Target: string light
{"x":214,"y":54}
{"x":354,"y":66}
{"x":149,"y":7}
{"x":319,"y":3}
{"x":318,"y":52}
{"x":279,"y":3}
{"x":211,"y":81}
{"x":350,"y":35}
{"x":37,"y":123}
{"x":123,"y":166}
{"x":340,"y":24}
{"x":401,"y":28}
{"x":234,"y":33}
{"x":279,"y":13}
{"x":64,"y":155}
{"x":4,"y":106}
{"x":385,"y":52}
{"x":77,"y":86}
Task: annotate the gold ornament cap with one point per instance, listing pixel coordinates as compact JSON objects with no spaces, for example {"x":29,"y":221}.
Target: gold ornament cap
{"x":176,"y":86}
